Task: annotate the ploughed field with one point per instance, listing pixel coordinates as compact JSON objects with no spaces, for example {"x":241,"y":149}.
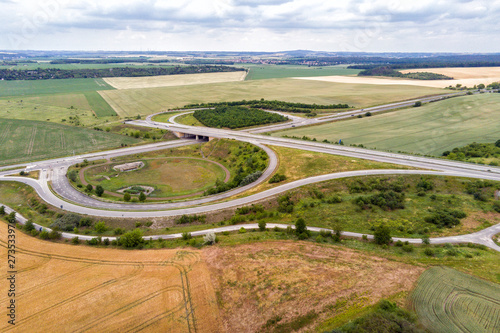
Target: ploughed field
{"x":450,"y":301}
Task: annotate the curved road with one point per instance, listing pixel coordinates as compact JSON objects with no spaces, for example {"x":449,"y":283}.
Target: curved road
{"x":55,"y":170}
{"x":483,"y":237}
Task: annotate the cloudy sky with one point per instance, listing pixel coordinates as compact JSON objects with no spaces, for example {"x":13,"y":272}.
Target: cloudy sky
{"x":252,"y":25}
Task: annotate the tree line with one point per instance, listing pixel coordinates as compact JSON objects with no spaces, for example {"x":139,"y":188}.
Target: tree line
{"x":56,"y":73}
{"x":236,"y":117}
{"x":389,"y":71}
{"x":273,"y":105}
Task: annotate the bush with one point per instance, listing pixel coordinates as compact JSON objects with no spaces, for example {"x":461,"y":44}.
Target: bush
{"x":334,"y":199}
{"x":426,"y":240}
{"x":142,"y":197}
{"x":417,"y":104}
{"x":89,"y":188}
{"x":210,"y":238}
{"x":277,"y":178}
{"x":99,"y":190}
{"x":73,"y":176}
{"x":67,"y":222}
{"x":408,"y":248}
{"x":242,"y":230}
{"x":126,"y":197}
{"x":382,"y":235}
{"x":186,"y":235}
{"x":132,"y":238}
{"x":303,"y":236}
{"x":300,"y":226}
{"x":2,"y":210}
{"x":250,"y":178}
{"x":100,"y":227}
{"x":262,"y":225}
{"x":444,"y":217}
{"x":389,"y":200}
{"x":75,"y":240}
{"x":29,"y":226}
{"x":496,"y":206}
{"x":44,"y":234}
{"x":285,"y":204}
{"x":429,"y":252}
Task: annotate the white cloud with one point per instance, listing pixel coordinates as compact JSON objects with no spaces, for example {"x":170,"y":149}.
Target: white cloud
{"x":357,"y":25}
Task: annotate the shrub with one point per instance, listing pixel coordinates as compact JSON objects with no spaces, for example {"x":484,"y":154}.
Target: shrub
{"x":142,"y":197}
{"x":408,"y":248}
{"x":126,"y":197}
{"x":100,"y":227}
{"x":334,"y":199}
{"x":429,"y":252}
{"x":277,"y":178}
{"x":29,"y":226}
{"x":132,"y":238}
{"x":186,"y":235}
{"x":99,"y":190}
{"x":89,"y":188}
{"x":2,"y":210}
{"x":399,"y":243}
{"x":426,"y":240}
{"x":285,"y":204}
{"x":262,"y":225}
{"x":67,"y":222}
{"x":72,"y":175}
{"x":44,"y":234}
{"x":303,"y":236}
{"x":54,"y":234}
{"x":75,"y":240}
{"x":443,"y":217}
{"x":417,"y":104}
{"x":382,"y":235}
{"x":250,"y":178}
{"x":210,"y":238}
{"x":496,"y":206}
{"x":300,"y":226}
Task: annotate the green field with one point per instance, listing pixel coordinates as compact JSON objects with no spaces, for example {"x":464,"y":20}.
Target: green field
{"x":40,"y":87}
{"x":450,"y":301}
{"x":24,"y":140}
{"x":130,"y":102}
{"x":100,"y":107}
{"x":169,"y":176}
{"x":259,"y":72}
{"x":430,"y":129}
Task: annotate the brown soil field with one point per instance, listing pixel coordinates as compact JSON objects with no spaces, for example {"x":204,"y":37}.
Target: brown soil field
{"x":173,"y":80}
{"x":62,"y":287}
{"x":258,"y":282}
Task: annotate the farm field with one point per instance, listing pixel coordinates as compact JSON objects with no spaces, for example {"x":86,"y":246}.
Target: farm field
{"x":41,"y":87}
{"x":100,"y":107}
{"x":173,"y":80}
{"x":147,"y":101}
{"x":260,"y":72}
{"x":467,"y":76}
{"x":450,"y":301}
{"x":319,"y":286}
{"x":62,"y":287}
{"x":430,"y":129}
{"x":89,"y":107}
{"x":25,"y":140}
{"x":46,"y":64}
{"x":168,"y":176}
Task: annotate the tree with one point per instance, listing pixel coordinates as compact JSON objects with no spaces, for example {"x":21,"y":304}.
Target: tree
{"x":126,"y":197}
{"x":417,"y":104}
{"x":481,"y":86}
{"x":300,"y":226}
{"x":72,"y":175}
{"x":142,"y":197}
{"x":11,"y":218}
{"x":497,"y":143}
{"x":132,"y":238}
{"x":99,"y":190}
{"x":89,"y":187}
{"x":382,"y":235}
{"x":2,"y":210}
{"x":262,"y":225}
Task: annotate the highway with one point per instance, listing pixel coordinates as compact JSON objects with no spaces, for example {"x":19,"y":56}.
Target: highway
{"x":62,"y":194}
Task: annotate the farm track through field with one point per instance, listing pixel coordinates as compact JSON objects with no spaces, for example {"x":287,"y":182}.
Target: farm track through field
{"x":132,"y":305}
{"x":31,"y":143}
{"x":5,"y":134}
{"x":139,"y":267}
{"x":63,"y":143}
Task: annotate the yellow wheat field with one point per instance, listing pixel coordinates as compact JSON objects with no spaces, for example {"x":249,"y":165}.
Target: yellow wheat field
{"x":173,"y":80}
{"x":62,"y":287}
